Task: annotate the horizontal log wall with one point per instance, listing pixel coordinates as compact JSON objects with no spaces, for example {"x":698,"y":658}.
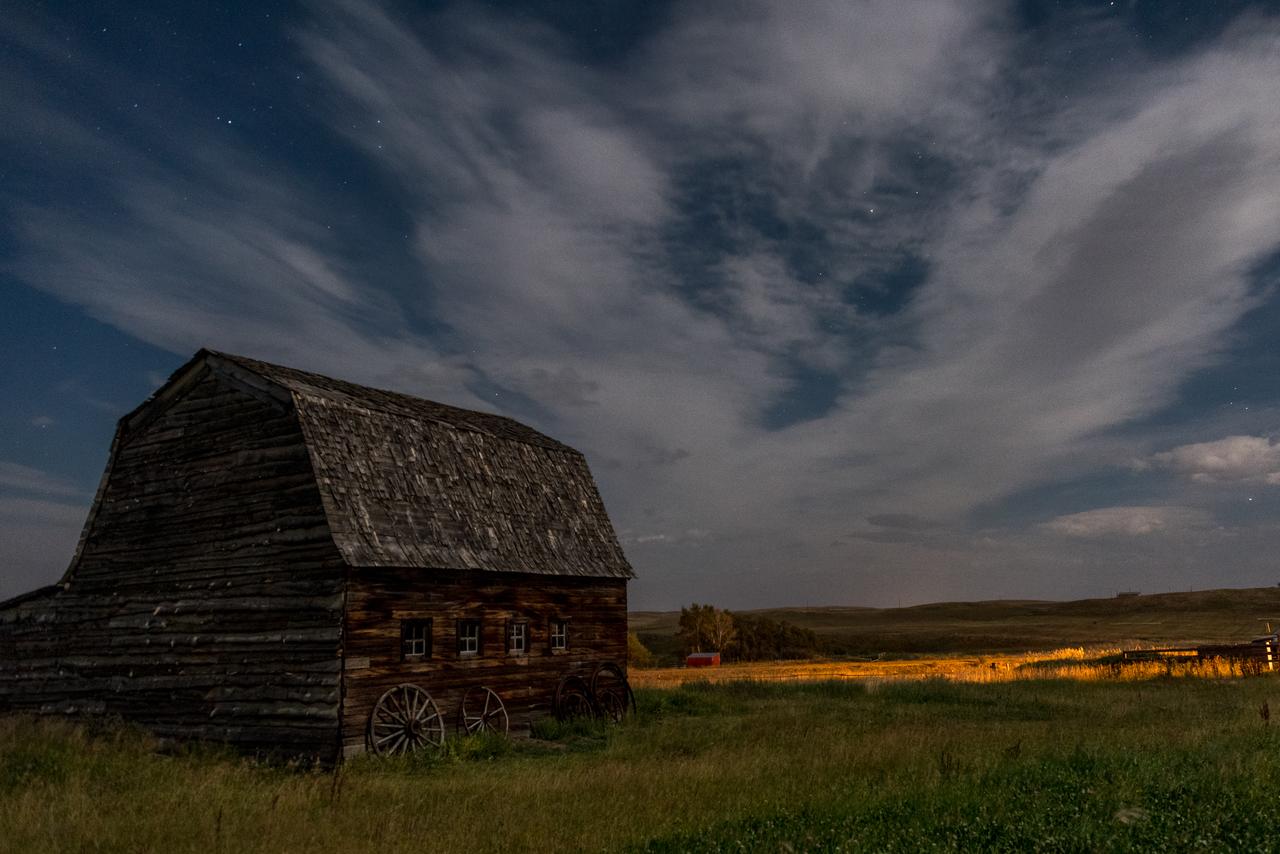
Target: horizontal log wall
{"x":378,"y":599}
{"x":207,"y":599}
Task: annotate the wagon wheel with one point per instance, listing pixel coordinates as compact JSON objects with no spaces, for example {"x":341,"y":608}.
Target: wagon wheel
{"x":482,"y":711}
{"x":573,"y":699}
{"x":405,"y":719}
{"x":612,"y":692}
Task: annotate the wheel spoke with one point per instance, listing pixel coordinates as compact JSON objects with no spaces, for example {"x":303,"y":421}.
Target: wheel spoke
{"x":420,"y":706}
{"x":404,"y":699}
{"x":404,"y":720}
{"x":393,"y":703}
{"x":476,"y":717}
{"x":411,"y":703}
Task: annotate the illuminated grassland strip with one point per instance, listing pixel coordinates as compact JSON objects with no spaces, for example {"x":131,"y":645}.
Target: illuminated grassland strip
{"x":1075,"y":663}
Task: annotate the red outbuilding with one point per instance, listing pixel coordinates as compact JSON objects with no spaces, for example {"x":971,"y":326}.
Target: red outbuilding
{"x":703,"y":659}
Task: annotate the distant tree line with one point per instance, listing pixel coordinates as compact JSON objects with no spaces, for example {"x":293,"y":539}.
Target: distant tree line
{"x":744,"y":637}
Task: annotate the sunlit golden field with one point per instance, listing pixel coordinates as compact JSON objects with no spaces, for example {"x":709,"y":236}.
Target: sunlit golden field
{"x":1074,"y":663}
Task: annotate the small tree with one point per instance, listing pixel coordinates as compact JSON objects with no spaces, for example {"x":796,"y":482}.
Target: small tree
{"x":705,"y":628}
{"x":693,"y":627}
{"x":721,"y":631}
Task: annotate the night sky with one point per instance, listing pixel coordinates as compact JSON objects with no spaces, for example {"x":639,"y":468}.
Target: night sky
{"x":865,"y":303}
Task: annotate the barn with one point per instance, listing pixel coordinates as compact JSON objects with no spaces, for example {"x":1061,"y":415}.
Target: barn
{"x":292,"y":563}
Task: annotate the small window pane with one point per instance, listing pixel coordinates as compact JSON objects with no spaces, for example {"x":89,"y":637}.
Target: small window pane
{"x":469,"y":637}
{"x":518,"y":638}
{"x":415,"y":638}
{"x":559,"y":634}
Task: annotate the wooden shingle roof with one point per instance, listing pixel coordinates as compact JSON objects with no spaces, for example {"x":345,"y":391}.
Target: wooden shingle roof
{"x":407,"y":482}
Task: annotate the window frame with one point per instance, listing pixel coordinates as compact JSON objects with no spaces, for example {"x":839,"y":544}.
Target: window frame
{"x":407,"y":626}
{"x":558,"y":636}
{"x":523,"y":627}
{"x":463,"y":625}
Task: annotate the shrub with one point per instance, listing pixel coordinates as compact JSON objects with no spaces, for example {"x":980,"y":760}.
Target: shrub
{"x":638,"y":654}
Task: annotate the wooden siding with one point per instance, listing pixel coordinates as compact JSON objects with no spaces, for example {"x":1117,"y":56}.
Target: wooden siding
{"x":378,"y":599}
{"x":206,"y":597}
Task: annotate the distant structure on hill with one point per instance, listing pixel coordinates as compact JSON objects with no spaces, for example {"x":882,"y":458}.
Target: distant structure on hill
{"x":1128,"y":594}
{"x":293,"y":563}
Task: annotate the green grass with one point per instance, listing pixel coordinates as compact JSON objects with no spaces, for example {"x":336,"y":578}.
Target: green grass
{"x":1174,"y":764}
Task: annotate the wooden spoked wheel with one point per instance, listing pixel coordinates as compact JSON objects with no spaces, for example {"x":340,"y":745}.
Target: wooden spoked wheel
{"x":573,"y":699}
{"x":405,"y":719}
{"x":612,"y":693}
{"x":482,"y":711}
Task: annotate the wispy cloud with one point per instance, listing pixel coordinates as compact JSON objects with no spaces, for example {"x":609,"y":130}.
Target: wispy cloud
{"x":1127,"y":521}
{"x":65,"y":518}
{"x":646,"y":257}
{"x":1234,"y":459}
{"x":1051,"y":313}
{"x":40,"y":520}
{"x":32,"y":480}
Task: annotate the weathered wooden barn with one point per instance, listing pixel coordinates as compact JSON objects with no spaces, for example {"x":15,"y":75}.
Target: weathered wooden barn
{"x":293,"y":563}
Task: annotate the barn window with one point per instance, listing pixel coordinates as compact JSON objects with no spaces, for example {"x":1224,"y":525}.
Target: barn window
{"x":468,"y":637}
{"x":415,"y":639}
{"x":517,"y":638}
{"x":559,"y":634}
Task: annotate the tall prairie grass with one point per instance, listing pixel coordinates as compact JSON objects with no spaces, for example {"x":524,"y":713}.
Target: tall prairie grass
{"x":889,"y":765}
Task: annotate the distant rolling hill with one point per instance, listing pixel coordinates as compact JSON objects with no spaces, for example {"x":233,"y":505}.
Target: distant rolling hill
{"x":1002,"y":625}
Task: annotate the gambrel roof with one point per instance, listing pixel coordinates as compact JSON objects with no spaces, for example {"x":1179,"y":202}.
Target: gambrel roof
{"x":407,"y":482}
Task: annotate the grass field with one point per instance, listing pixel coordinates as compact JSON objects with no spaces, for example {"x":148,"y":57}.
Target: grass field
{"x":975,"y":751}
{"x":908,"y":765}
{"x":1206,"y":615}
{"x":1070,"y":663}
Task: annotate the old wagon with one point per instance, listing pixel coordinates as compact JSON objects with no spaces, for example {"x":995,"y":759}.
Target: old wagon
{"x":290,"y":562}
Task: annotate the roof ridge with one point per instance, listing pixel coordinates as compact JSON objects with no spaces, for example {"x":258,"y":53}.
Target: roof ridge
{"x":360,"y":396}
